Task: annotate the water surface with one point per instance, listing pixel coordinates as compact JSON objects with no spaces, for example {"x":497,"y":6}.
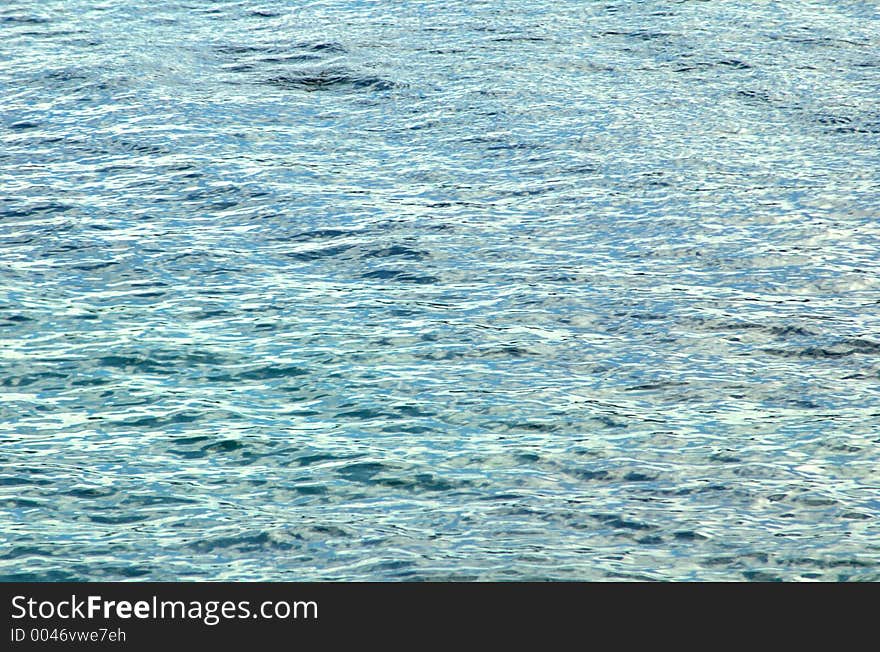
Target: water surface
{"x":439,"y":290}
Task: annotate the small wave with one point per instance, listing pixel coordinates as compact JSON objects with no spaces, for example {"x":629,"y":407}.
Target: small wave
{"x":618,"y":521}
{"x":397,"y":251}
{"x":842,"y":349}
{"x":272,"y":372}
{"x":320,"y":46}
{"x":317,"y":254}
{"x":25,"y":20}
{"x":250,"y":542}
{"x":402,"y":276}
{"x":329,"y":80}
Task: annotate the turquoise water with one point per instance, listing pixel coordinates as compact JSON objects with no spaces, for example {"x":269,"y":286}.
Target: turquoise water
{"x":417,"y":290}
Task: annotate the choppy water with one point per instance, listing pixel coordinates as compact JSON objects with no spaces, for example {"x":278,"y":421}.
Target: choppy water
{"x":440,"y":290}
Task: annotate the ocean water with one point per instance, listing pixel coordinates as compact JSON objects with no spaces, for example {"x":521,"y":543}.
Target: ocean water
{"x":349,"y":290}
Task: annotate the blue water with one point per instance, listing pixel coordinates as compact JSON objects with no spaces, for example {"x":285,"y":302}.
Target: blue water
{"x":454,"y":290}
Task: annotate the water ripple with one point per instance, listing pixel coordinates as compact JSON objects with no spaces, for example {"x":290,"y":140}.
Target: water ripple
{"x":435,"y":291}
